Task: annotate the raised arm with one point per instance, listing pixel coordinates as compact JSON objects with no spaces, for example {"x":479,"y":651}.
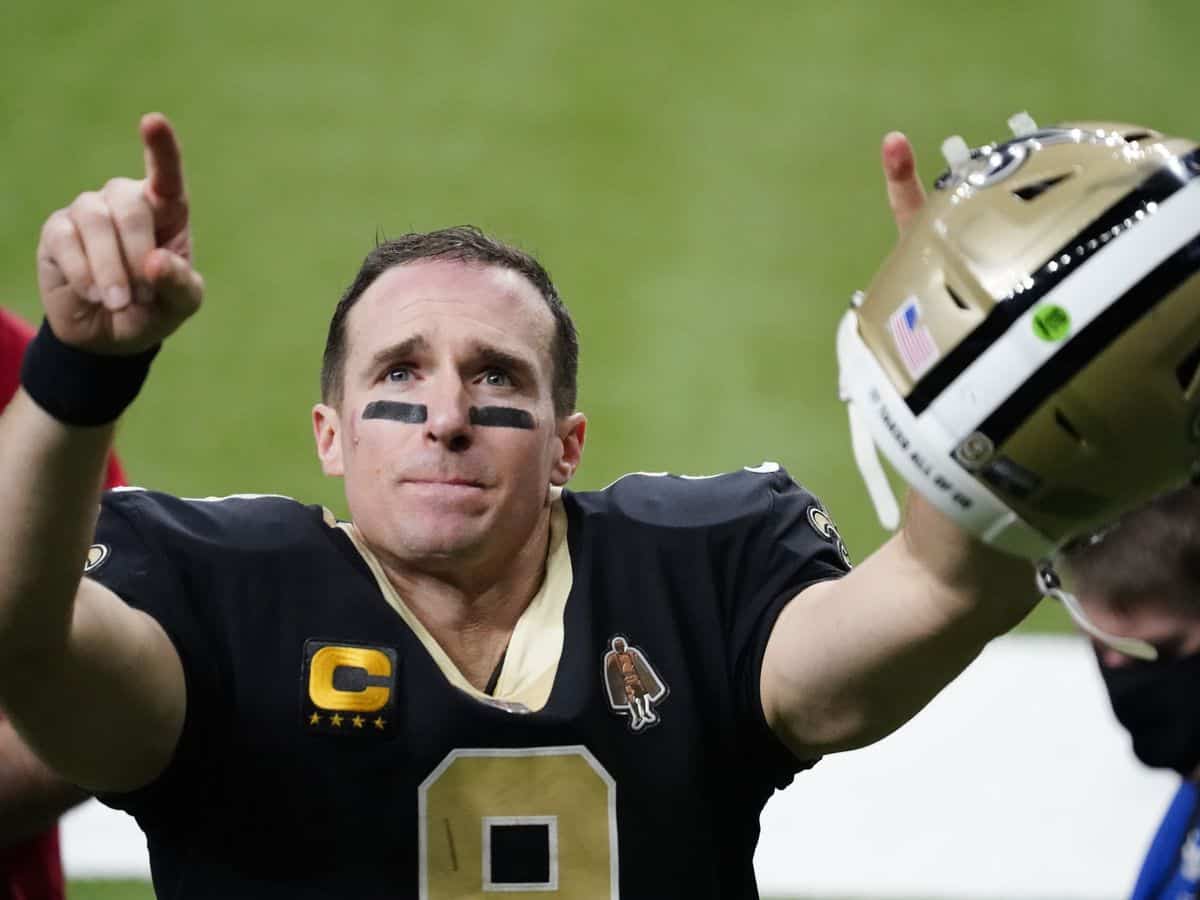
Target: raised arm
{"x":95,"y":687}
{"x":851,"y":660}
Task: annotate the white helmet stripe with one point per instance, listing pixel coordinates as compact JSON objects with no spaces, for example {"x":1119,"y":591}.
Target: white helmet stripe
{"x":916,"y":453}
{"x":1004,"y":366}
{"x":1059,"y":266}
{"x":1121,"y":315}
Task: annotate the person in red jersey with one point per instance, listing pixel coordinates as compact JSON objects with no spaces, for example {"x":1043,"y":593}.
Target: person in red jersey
{"x":31,"y":796}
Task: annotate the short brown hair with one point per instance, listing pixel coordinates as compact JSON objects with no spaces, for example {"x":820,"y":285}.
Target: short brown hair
{"x":462,"y":243}
{"x":1153,"y":550}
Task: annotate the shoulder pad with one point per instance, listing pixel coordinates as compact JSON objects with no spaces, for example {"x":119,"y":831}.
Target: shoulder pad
{"x":691,"y":501}
{"x":251,"y":522}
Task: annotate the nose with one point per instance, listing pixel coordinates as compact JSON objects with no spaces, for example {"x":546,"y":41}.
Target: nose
{"x":448,"y":421}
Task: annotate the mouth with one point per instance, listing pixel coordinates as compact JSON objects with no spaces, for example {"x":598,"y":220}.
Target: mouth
{"x":464,"y":483}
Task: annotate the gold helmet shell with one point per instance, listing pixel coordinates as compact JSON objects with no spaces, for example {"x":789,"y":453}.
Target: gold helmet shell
{"x":1028,"y":355}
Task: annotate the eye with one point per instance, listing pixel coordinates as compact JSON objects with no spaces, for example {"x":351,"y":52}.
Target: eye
{"x":398,"y":374}
{"x":497,"y":378}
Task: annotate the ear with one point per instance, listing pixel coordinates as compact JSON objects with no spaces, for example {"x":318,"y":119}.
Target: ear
{"x":571,"y":430}
{"x":327,"y":429}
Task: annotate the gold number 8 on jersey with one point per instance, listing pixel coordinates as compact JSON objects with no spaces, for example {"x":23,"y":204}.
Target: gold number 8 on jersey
{"x":525,"y":822}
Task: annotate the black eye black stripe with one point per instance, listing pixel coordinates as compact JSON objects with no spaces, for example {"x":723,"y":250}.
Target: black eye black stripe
{"x":412,"y":413}
{"x":416,"y":413}
{"x":501,"y":417}
{"x":1155,"y":189}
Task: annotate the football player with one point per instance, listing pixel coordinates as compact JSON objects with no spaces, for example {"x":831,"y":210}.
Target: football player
{"x":31,"y":796}
{"x":417,"y":702}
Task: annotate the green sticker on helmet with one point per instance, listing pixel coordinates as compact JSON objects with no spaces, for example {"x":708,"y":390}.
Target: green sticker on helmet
{"x":1051,"y":323}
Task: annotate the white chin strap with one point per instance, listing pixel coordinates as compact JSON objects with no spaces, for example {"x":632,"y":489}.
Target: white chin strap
{"x":920,"y":451}
{"x":871,"y":469}
{"x":866,"y":457}
{"x":1049,"y":585}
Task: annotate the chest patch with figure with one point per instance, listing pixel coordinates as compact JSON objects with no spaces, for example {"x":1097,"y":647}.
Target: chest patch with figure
{"x":631,"y":684}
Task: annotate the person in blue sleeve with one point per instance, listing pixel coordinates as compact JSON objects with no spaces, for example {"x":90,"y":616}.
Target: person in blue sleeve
{"x":1141,"y":578}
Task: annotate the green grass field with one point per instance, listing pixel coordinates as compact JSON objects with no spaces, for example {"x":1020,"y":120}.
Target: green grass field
{"x":701,"y":180}
{"x":109,"y":890}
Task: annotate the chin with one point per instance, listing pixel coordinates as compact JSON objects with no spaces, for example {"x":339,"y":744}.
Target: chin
{"x":437,"y":540}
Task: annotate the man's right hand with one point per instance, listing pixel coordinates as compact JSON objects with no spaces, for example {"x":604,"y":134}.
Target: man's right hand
{"x":115,"y":267}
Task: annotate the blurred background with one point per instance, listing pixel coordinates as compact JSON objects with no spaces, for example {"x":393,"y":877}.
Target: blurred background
{"x":702,"y":181}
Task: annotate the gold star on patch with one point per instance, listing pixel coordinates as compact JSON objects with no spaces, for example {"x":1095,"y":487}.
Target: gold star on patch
{"x":336,"y":720}
{"x":379,"y":723}
{"x":358,"y":721}
{"x":314,"y":719}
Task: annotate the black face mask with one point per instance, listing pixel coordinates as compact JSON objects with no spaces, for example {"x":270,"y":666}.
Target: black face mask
{"x":1159,"y":705}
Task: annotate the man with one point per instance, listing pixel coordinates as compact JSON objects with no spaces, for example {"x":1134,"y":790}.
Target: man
{"x":31,"y":797}
{"x":1141,"y":578}
{"x":414,"y":702}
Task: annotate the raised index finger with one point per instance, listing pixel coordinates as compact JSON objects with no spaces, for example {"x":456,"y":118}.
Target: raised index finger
{"x":905,"y":194}
{"x":164,"y":162}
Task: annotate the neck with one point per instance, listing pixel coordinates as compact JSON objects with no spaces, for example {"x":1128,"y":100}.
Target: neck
{"x":471,"y":610}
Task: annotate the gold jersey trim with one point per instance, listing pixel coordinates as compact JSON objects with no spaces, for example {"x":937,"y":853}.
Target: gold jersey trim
{"x":536,"y":646}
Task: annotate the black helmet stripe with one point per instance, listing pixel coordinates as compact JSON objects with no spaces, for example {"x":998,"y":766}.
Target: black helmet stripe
{"x":1155,"y":189}
{"x":1102,"y":331}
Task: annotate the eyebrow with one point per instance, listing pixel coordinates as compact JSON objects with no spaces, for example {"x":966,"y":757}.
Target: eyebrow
{"x":407,"y":347}
{"x":480,"y":354}
{"x":490,"y":356}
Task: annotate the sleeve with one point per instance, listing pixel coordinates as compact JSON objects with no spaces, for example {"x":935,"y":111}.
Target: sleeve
{"x":790,"y":544}
{"x":15,"y":335}
{"x":1162,"y":859}
{"x":114,"y":474}
{"x":129,"y":558}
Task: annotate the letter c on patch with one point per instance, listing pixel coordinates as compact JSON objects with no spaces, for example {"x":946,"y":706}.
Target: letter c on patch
{"x":371,"y":666}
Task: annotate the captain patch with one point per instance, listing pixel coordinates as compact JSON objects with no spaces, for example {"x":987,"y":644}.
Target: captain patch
{"x":348,"y":689}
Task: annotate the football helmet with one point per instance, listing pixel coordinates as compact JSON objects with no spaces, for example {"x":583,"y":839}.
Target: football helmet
{"x":1028,"y":357}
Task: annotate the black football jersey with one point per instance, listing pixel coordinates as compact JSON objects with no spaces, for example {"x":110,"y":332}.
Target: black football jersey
{"x":331,"y":749}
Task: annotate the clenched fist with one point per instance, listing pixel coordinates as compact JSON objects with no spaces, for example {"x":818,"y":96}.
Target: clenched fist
{"x":115,"y":267}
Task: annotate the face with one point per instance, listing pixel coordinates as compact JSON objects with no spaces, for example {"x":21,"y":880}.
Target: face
{"x":446,"y":434}
{"x":1153,"y":701}
{"x":1172,"y":631}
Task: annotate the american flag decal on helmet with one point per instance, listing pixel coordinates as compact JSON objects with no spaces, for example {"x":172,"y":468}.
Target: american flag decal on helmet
{"x":913,"y":340}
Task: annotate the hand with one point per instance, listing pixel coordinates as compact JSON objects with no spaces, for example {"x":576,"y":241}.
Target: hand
{"x":905,"y":194}
{"x":114,"y":267}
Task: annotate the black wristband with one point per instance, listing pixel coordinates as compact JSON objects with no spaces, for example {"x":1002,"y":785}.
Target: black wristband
{"x":78,"y":387}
